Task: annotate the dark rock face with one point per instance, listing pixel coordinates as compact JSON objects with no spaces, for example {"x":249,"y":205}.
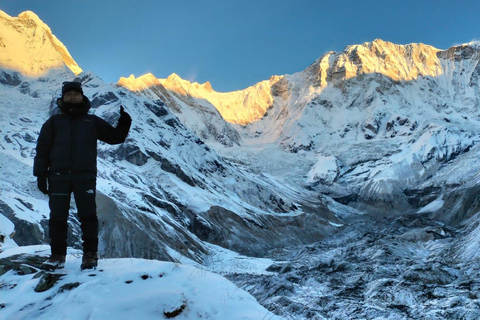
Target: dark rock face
{"x":176,"y":170}
{"x":132,"y":154}
{"x":158,"y":108}
{"x":170,"y":167}
{"x":459,"y":206}
{"x":254,"y":236}
{"x":11,"y":79}
{"x":129,"y":234}
{"x":103,"y":99}
{"x":173,"y":122}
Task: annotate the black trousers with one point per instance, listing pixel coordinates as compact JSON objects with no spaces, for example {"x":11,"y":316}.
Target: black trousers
{"x":84,"y":193}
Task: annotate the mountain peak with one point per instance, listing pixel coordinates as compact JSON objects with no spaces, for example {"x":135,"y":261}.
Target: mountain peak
{"x":137,"y":84}
{"x":30,"y":15}
{"x":28,"y":46}
{"x":398,"y":62}
{"x":207,"y":86}
{"x":474,"y":43}
{"x":174,"y":78}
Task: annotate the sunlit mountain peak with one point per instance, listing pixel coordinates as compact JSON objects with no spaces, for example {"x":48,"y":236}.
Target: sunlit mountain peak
{"x":398,"y":62}
{"x":137,"y":84}
{"x":28,"y":46}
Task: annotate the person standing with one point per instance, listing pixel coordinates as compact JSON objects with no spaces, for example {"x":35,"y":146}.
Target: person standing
{"x":66,"y":163}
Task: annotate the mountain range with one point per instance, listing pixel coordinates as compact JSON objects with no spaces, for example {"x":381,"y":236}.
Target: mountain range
{"x":372,"y":135}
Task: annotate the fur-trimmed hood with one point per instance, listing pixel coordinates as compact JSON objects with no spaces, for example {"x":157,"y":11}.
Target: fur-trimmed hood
{"x":74,"y":109}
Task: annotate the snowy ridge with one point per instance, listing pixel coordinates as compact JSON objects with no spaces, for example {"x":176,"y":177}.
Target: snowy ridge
{"x":238,"y":107}
{"x":198,"y":115}
{"x":273,"y":110}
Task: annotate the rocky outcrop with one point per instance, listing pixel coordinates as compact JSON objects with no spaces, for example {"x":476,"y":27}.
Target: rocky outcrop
{"x":26,"y":233}
{"x":27,"y":264}
{"x":10,"y":79}
{"x":132,"y":154}
{"x":138,"y":232}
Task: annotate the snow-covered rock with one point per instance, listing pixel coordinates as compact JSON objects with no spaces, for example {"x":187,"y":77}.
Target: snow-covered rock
{"x":118,"y":289}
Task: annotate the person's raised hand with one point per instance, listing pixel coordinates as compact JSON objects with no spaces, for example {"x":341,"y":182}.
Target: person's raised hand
{"x":124,"y":116}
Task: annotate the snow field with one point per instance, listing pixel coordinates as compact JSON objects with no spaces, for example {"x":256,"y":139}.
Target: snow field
{"x":125,"y":289}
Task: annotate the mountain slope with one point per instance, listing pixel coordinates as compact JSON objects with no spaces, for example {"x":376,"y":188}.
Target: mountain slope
{"x":164,"y":187}
{"x":198,"y":115}
{"x":404,"y":109}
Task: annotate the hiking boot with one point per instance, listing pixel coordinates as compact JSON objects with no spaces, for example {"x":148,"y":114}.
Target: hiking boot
{"x":56,"y":261}
{"x":89,"y":261}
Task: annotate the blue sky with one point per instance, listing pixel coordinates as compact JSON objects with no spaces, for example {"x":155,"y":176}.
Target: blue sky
{"x":235,"y":44}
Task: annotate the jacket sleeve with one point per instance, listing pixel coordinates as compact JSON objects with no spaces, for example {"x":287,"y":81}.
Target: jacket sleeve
{"x":44,"y":144}
{"x":111,"y":135}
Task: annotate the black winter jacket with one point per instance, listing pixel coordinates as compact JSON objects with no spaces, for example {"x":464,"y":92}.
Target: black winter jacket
{"x":68,"y":143}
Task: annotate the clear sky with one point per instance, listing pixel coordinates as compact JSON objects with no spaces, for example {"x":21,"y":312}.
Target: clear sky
{"x":235,"y":44}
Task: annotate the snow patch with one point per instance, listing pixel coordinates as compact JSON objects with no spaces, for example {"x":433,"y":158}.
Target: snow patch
{"x":127,"y":289}
{"x":433,"y":206}
{"x":324,"y":170}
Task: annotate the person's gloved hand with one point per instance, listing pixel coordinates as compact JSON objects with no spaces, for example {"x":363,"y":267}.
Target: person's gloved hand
{"x":124,"y":117}
{"x":42,"y":184}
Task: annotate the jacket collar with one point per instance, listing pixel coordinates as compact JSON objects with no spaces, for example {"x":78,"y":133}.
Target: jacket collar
{"x":74,"y":109}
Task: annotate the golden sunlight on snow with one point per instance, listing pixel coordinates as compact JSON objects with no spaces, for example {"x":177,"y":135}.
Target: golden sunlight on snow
{"x":398,"y":62}
{"x":27,"y":45}
{"x":138,"y":84}
{"x":240,"y":107}
{"x":243,"y":107}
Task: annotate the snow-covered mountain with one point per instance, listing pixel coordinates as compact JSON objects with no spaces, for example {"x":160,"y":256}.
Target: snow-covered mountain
{"x":376,"y":144}
{"x":403,"y":109}
{"x":27,"y":45}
